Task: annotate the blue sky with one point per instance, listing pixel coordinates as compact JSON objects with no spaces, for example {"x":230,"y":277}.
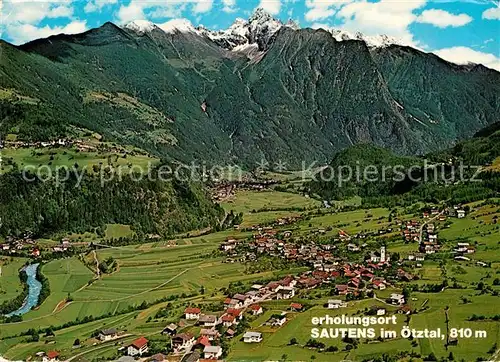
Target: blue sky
{"x":459,"y":31}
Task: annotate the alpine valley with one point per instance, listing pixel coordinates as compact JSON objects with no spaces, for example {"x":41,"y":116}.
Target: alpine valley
{"x":101,"y":261}
{"x":260,"y":90}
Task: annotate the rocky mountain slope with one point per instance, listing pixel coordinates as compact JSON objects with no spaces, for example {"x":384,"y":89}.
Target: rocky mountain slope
{"x":261,"y":90}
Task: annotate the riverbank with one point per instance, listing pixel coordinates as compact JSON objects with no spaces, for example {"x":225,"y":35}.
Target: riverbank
{"x":16,"y":302}
{"x":30,"y":296}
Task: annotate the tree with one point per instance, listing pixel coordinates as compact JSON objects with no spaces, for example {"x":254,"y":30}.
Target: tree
{"x":406,"y":293}
{"x":76,"y":342}
{"x":293,"y":341}
{"x":431,"y":357}
{"x":451,"y":357}
{"x":284,"y":357}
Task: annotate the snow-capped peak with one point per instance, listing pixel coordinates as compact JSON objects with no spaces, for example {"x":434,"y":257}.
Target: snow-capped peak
{"x":177,"y":25}
{"x":171,"y":26}
{"x":140,"y":26}
{"x":254,"y":33}
{"x":375,"y":41}
{"x":242,"y":33}
{"x":261,"y":16}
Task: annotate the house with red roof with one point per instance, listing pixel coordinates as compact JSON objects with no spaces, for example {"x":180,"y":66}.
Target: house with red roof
{"x":354,"y":283}
{"x":138,"y":347}
{"x":236,"y":313}
{"x":342,"y":289}
{"x":232,"y":303}
{"x":51,"y":356}
{"x":256,"y":309}
{"x":379,"y":284}
{"x":296,"y":307}
{"x":228,"y":320}
{"x":335,"y":274}
{"x":202,"y":342}
{"x":192,"y":313}
{"x":288,"y":281}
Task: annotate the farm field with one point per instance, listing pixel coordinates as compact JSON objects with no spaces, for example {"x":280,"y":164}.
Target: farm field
{"x":10,"y":285}
{"x":54,"y":157}
{"x":250,"y":201}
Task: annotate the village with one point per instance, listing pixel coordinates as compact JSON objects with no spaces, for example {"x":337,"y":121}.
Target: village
{"x":350,"y":267}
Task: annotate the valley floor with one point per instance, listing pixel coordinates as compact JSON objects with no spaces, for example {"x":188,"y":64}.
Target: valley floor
{"x":152,"y":284}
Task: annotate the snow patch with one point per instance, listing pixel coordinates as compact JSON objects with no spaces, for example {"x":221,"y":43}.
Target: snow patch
{"x":140,"y":26}
{"x":376,"y":41}
{"x":177,"y":25}
{"x":245,"y":47}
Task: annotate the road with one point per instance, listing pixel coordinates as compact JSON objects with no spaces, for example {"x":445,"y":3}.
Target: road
{"x":425,"y":223}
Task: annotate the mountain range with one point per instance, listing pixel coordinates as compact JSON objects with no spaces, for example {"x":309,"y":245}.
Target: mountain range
{"x":260,"y":90}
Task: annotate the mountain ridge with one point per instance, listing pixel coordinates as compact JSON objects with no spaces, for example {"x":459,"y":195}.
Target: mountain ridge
{"x":296,"y":95}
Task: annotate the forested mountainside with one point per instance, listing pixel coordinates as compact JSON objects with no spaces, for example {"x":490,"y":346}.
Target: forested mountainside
{"x":470,"y":170}
{"x":44,"y":208}
{"x":261,"y":90}
{"x":482,"y":149}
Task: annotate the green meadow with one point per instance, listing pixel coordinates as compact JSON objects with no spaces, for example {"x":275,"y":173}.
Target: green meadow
{"x":10,"y":285}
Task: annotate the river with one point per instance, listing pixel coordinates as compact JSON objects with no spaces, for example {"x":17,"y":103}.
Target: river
{"x":34,"y":288}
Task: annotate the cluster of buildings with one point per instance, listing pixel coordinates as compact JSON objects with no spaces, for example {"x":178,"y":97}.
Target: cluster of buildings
{"x":411,"y":231}
{"x":226,"y":189}
{"x":456,"y":211}
{"x":429,"y":243}
{"x":62,"y":142}
{"x":27,"y":245}
{"x":462,"y":250}
{"x":16,"y":245}
{"x":326,"y":268}
{"x":61,"y":248}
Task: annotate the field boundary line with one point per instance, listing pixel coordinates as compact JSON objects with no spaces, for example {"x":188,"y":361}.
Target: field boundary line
{"x":133,"y":295}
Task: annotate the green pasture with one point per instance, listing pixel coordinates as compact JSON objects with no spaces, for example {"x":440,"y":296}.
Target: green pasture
{"x":68,"y":157}
{"x":10,"y":284}
{"x":249,"y":201}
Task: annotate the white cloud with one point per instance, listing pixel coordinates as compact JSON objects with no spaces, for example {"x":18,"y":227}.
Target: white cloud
{"x":202,"y":6}
{"x":32,"y":12}
{"x":322,"y":9}
{"x":383,"y":17}
{"x":492,"y":13}
{"x":443,"y":19}
{"x":229,"y":6}
{"x":271,"y":6}
{"x":97,"y":5}
{"x":464,"y":55}
{"x":169,"y":11}
{"x":140,"y":9}
{"x":21,"y":33}
{"x":131,"y":12}
{"x":61,"y":11}
{"x":20,"y":19}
